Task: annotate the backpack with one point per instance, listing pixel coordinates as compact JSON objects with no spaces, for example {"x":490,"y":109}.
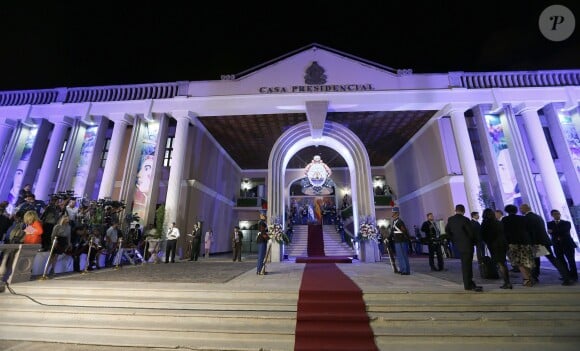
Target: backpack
{"x":17,"y":235}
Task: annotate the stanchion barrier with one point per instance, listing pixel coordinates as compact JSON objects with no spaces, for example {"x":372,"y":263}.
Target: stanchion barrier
{"x":188,"y":244}
{"x":44,"y":277}
{"x":118,"y":253}
{"x":391,"y":256}
{"x":267,"y":256}
{"x":88,"y":259}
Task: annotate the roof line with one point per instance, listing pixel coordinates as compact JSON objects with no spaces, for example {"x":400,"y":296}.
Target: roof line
{"x":311,"y":46}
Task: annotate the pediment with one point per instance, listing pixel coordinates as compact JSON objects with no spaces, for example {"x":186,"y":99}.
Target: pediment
{"x":316,"y":68}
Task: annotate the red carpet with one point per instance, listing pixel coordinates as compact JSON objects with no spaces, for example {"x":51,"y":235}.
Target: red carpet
{"x":324,"y":259}
{"x":315,"y":240}
{"x":331,"y":312}
{"x":315,"y":248}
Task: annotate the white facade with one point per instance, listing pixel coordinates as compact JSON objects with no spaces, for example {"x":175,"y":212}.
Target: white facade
{"x":435,"y":170}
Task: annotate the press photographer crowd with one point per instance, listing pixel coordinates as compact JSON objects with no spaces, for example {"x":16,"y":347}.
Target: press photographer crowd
{"x":69,"y":225}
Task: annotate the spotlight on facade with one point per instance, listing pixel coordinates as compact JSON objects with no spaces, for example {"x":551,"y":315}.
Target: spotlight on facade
{"x":29,"y":122}
{"x":89,"y":121}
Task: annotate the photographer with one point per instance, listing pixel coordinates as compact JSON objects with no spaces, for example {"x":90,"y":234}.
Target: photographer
{"x":61,"y":237}
{"x":432,"y":235}
{"x":49,"y":218}
{"x":111,"y":237}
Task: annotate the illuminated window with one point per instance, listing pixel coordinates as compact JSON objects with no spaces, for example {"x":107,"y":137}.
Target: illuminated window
{"x":168,"y":152}
{"x":553,"y":151}
{"x":105,"y":152}
{"x":61,"y":156}
{"x":3,"y":153}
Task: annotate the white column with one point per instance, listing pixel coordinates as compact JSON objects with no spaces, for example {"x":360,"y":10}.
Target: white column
{"x":544,"y":161}
{"x":561,"y":144}
{"x":110,"y":169}
{"x":519,"y":157}
{"x":5,"y":134}
{"x":50,"y":162}
{"x":183,"y":119}
{"x":466,"y":159}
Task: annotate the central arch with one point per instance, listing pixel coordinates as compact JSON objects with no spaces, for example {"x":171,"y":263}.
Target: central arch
{"x":334,"y":136}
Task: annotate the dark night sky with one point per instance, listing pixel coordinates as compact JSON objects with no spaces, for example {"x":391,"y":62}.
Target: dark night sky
{"x":46,"y":45}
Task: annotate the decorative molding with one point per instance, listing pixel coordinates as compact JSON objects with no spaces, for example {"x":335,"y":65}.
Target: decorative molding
{"x":93,"y":94}
{"x":404,"y":72}
{"x":515,"y":79}
{"x":28,"y":97}
{"x":455,"y":79}
{"x":122,"y":92}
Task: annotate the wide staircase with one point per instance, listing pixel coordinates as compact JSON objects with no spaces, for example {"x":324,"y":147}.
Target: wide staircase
{"x":152,"y":315}
{"x":172,"y":316}
{"x":488,"y":321}
{"x":332,"y":242}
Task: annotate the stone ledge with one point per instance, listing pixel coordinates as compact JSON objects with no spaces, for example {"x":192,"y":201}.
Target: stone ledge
{"x":17,"y":262}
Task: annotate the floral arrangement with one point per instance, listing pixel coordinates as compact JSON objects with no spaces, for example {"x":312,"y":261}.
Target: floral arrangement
{"x":367,"y":230}
{"x":276,"y":233}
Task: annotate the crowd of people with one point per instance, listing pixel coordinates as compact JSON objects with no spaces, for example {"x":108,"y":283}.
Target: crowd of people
{"x":520,"y":239}
{"x":67,"y":225}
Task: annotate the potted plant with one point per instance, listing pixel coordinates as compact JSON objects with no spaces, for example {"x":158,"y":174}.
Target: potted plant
{"x":154,"y":234}
{"x":368,"y":239}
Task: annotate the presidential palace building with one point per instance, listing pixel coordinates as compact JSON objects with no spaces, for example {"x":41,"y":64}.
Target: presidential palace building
{"x":221,"y":151}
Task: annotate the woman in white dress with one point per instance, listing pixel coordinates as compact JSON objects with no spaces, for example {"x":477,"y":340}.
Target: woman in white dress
{"x":208,"y":241}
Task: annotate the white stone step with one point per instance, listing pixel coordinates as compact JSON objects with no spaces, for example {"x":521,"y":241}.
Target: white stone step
{"x":253,"y":313}
{"x":332,"y":242}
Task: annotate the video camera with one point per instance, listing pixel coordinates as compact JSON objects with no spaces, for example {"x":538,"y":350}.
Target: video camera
{"x":112,"y":203}
{"x":132,"y":217}
{"x":63,"y":195}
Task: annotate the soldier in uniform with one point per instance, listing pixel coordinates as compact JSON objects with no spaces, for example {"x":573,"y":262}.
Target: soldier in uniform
{"x":400,"y":237}
{"x":262,"y":241}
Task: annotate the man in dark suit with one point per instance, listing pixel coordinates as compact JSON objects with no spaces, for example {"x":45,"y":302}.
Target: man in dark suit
{"x":479,"y":245}
{"x":460,"y":231}
{"x":432,"y":233}
{"x":537,"y":229}
{"x":195,"y":241}
{"x":564,"y":245}
{"x":237,"y":237}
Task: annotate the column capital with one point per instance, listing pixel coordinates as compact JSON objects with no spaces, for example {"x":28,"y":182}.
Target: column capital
{"x":187,"y":115}
{"x":61,"y":120}
{"x":451,"y":108}
{"x":529,"y":106}
{"x":572,"y":98}
{"x":120,"y":117}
